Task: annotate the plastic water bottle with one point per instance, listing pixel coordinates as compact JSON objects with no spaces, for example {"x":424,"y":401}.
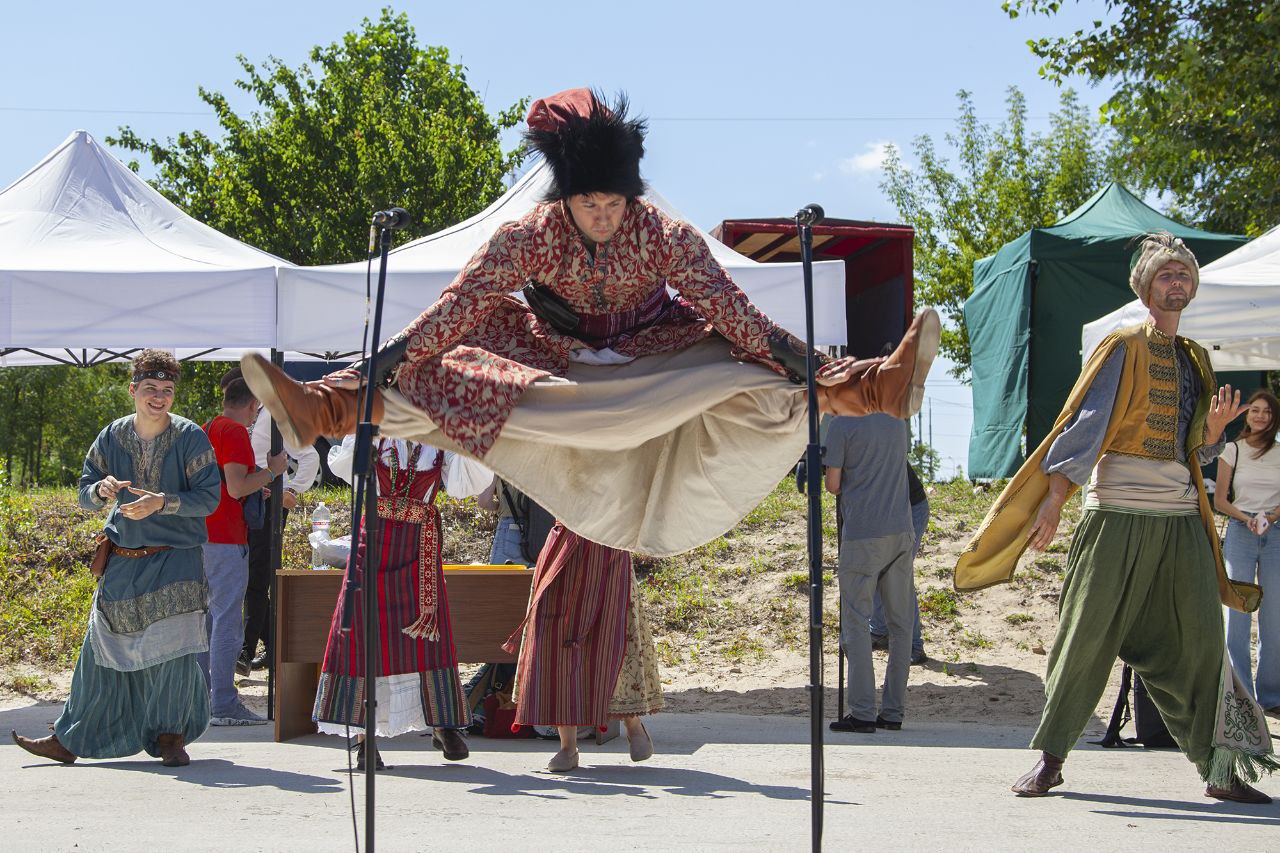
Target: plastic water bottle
{"x":319,"y":533}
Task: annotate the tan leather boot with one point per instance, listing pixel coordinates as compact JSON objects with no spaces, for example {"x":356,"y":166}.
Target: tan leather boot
{"x":894,"y":386}
{"x":172,"y":753}
{"x":45,"y":747}
{"x":304,"y":411}
{"x":1037,"y":782}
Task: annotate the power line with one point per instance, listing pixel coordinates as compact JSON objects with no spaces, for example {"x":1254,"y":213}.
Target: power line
{"x":106,"y":111}
{"x":833,"y":118}
{"x":709,"y":119}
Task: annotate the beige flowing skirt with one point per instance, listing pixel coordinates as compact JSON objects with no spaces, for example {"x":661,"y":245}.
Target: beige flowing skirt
{"x":656,"y":456}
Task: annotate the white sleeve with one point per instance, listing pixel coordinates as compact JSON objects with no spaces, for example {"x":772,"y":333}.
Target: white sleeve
{"x":260,"y":437}
{"x":463,"y":477}
{"x":340,"y":457}
{"x":307,"y":459}
{"x":304,"y":477}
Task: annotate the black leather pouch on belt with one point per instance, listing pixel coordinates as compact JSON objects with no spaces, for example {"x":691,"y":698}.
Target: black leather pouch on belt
{"x":550,"y":307}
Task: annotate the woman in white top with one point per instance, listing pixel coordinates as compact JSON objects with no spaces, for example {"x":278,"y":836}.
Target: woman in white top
{"x":1250,"y":468}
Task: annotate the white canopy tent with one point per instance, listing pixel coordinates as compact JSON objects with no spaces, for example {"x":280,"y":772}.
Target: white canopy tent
{"x":1235,"y":314}
{"x":95,"y":263}
{"x":322,"y":309}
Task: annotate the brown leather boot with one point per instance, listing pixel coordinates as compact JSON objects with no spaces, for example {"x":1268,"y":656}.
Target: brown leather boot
{"x":304,"y":410}
{"x":451,"y":743}
{"x":1045,"y":775}
{"x":45,"y":747}
{"x":172,"y":753}
{"x":894,"y":386}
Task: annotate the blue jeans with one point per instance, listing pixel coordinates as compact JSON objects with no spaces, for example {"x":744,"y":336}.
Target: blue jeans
{"x":506,"y":543}
{"x":226,"y":571}
{"x":919,"y":523}
{"x":1255,"y":559}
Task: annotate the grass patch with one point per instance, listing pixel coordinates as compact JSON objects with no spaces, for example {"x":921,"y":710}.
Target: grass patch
{"x":1019,"y":618}
{"x":1048,"y":564}
{"x":668,"y":653}
{"x":743,"y":647}
{"x":46,"y":543}
{"x":974,"y":640}
{"x":799,"y":581}
{"x":29,"y":685}
{"x":940,"y":604}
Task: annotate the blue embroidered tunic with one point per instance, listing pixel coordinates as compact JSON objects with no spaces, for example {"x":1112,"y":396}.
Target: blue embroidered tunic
{"x":137,"y":676}
{"x":151,"y":609}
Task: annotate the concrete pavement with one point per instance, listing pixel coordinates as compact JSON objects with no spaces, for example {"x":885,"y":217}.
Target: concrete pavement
{"x":717,"y":782}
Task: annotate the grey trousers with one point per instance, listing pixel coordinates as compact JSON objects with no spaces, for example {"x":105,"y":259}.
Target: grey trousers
{"x":868,"y":566}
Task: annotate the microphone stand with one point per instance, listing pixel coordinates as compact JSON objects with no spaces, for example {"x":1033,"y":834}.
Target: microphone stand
{"x":365,"y":506}
{"x":813,"y":476}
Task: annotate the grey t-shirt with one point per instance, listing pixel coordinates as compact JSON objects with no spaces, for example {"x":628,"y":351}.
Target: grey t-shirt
{"x":872,"y":452}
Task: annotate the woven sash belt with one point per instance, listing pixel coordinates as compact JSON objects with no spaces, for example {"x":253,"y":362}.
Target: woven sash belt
{"x":427,"y":517}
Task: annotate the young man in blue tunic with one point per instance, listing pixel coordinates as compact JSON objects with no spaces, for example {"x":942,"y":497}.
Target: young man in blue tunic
{"x":137,"y":684}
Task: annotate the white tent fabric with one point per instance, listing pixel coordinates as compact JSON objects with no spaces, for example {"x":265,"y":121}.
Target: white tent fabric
{"x":322,"y":309}
{"x":1235,"y":314}
{"x":94,"y":261}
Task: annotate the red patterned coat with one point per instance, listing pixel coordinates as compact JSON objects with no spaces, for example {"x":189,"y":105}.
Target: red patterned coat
{"x":473,"y":353}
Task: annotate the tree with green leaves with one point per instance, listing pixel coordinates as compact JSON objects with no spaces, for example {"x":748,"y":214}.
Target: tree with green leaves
{"x":1196,"y":104}
{"x":379,"y":121}
{"x":1006,"y":180}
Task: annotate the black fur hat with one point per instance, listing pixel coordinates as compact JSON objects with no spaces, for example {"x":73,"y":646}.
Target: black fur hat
{"x":590,"y":147}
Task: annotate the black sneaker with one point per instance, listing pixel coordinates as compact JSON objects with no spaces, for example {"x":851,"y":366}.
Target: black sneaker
{"x":847,"y":723}
{"x":888,"y":725}
{"x":243,"y":666}
{"x":920,"y":659}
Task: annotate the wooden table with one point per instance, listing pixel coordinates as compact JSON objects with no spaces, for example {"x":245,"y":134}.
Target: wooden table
{"x":486,"y":603}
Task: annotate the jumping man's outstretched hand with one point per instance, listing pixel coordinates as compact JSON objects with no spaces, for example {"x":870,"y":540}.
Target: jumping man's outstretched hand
{"x":844,"y":369}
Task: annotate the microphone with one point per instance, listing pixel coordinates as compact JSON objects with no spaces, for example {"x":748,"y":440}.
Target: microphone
{"x":392,"y":220}
{"x":810,"y":214}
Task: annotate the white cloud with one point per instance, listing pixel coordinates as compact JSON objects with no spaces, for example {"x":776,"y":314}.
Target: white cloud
{"x":870,"y":160}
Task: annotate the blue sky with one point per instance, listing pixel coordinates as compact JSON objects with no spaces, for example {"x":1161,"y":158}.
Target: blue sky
{"x":755,"y":108}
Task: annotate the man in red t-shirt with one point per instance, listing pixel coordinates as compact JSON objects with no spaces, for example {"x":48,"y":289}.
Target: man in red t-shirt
{"x":226,"y":556}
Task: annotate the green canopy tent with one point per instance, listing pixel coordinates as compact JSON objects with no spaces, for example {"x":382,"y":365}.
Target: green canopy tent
{"x":1030,"y":302}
